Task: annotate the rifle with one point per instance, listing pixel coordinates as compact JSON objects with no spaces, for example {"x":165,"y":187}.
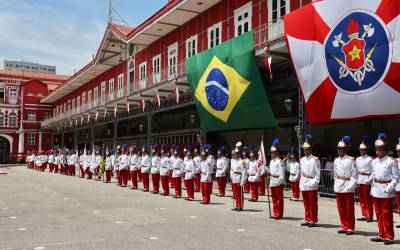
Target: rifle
{"x":269,"y":202}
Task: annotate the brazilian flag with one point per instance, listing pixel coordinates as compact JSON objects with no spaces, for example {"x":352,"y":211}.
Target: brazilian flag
{"x":227,"y":87}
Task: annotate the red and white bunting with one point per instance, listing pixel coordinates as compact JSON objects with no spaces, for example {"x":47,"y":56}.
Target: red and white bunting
{"x":115,"y":111}
{"x":158,"y":100}
{"x":143,"y":104}
{"x":176,"y":93}
{"x":97,"y":115}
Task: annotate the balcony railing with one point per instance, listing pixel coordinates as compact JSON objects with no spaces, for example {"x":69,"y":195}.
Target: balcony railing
{"x":268,"y":33}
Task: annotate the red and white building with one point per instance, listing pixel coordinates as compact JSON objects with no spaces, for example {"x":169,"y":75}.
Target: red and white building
{"x":21,"y":112}
{"x":114,"y":98}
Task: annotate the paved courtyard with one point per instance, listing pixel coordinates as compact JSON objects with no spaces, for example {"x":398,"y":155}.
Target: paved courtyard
{"x":51,"y":211}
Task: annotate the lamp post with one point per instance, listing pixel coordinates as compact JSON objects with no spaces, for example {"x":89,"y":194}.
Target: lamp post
{"x":288,"y":105}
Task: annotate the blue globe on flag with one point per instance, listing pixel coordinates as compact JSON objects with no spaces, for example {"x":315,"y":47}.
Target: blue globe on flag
{"x":217,"y":89}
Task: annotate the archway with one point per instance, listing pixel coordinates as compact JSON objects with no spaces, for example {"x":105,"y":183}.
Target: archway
{"x":4,"y":150}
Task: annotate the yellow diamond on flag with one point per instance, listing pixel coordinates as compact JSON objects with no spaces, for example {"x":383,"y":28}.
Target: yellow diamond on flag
{"x":220,"y":88}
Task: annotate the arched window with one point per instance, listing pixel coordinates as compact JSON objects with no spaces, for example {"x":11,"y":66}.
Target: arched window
{"x":1,"y":119}
{"x":131,"y":70}
{"x":12,"y":120}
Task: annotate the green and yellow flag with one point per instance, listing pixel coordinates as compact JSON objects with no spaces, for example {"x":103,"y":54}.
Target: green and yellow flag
{"x":227,"y":87}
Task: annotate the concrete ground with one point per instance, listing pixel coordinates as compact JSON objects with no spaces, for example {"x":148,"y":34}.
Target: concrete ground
{"x":51,"y":211}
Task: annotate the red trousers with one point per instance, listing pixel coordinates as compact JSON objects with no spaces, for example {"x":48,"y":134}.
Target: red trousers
{"x":366,"y":203}
{"x":155,"y":178}
{"x":261,"y":185}
{"x":310,"y":200}
{"x":82,"y":172}
{"x":146,"y":181}
{"x":51,"y":167}
{"x":177,"y":186}
{"x":140,"y":176}
{"x":246,"y":187}
{"x":71,"y":170}
{"x":206,"y":189}
{"x":221,"y":185}
{"x":190,"y":188}
{"x":254,"y":190}
{"x":384,"y":214}
{"x":165,"y":184}
{"x":197,"y":177}
{"x":134,"y":178}
{"x":119,"y":177}
{"x":56,"y":168}
{"x":171,"y":180}
{"x":345,"y":204}
{"x":108,"y":175}
{"x":238,"y":195}
{"x":124,"y":173}
{"x":295,"y":189}
{"x":397,"y":202}
{"x":89,"y":173}
{"x":277,"y":201}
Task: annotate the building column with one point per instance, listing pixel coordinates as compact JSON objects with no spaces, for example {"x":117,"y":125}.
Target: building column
{"x":149,"y":118}
{"x":76,"y":138}
{"x":62,"y":141}
{"x":21,"y":145}
{"x":115,"y":136}
{"x":40,"y":140}
{"x":92,"y":136}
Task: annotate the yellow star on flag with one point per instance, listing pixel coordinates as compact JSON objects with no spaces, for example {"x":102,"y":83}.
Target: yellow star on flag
{"x":355,"y":53}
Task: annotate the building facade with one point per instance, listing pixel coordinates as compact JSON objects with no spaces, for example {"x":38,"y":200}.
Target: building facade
{"x":29,"y":67}
{"x":135,"y":89}
{"x":21,"y":112}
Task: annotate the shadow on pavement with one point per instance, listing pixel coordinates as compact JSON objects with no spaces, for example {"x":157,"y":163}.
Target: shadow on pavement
{"x":328,"y":226}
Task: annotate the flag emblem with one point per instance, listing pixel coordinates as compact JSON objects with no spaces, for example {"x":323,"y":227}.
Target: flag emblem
{"x":346,"y":54}
{"x":357,"y":52}
{"x":220,"y":88}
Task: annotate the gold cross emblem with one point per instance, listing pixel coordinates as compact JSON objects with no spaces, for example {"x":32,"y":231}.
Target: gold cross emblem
{"x":355,"y":53}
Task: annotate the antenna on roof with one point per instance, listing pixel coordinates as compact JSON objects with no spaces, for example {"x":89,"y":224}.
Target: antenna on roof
{"x":117,"y":18}
{"x":109,"y":11}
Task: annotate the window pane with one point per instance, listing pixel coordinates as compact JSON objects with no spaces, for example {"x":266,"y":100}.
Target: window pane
{"x":283,"y":11}
{"x":239,"y":29}
{"x":274,"y":5}
{"x":246,"y":27}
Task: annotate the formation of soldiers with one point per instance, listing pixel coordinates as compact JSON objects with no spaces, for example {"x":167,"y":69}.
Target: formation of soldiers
{"x":376,"y":180}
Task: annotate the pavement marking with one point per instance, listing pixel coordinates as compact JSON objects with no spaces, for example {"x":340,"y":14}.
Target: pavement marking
{"x":13,"y":217}
{"x":162,"y":208}
{"x":66,"y":198}
{"x":39,"y":248}
{"x":241,"y":230}
{"x":118,"y":222}
{"x":193,"y":217}
{"x":153,"y":238}
{"x":21,"y":229}
{"x":5,"y":208}
{"x":96,"y":212}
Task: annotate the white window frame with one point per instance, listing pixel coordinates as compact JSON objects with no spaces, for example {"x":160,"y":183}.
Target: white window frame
{"x":31,"y":116}
{"x":240,"y":12}
{"x":103,"y":92}
{"x":130,"y":70}
{"x":111,"y":89}
{"x":12,"y":95}
{"x":190,"y":51}
{"x":65,"y":107}
{"x":46,"y":115}
{"x":95,"y":96}
{"x":14,"y":115}
{"x":89,"y":98}
{"x":172,"y":62}
{"x":78,"y":103}
{"x":120,"y":92}
{"x":31,"y":139}
{"x":278,"y":10}
{"x":157,"y":68}
{"x":73,"y":104}
{"x":212,"y":30}
{"x":142,"y":74}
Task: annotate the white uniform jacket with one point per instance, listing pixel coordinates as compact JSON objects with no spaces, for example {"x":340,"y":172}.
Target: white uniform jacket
{"x":277,"y":172}
{"x":310,"y":173}
{"x":165,"y":165}
{"x":51,"y":159}
{"x":253,"y":171}
{"x":364,"y":167}
{"x":385,"y":176}
{"x":155,"y":164}
{"x":294,"y":171}
{"x":345,"y":174}
{"x":177,"y":166}
{"x":145,"y":164}
{"x":238,"y":172}
{"x":197,"y":160}
{"x":190,"y":168}
{"x":109,"y":162}
{"x":222,"y":166}
{"x":206,"y":170}
{"x":135,"y":162}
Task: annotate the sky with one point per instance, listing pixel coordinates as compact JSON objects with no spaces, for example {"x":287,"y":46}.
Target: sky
{"x":63,"y":33}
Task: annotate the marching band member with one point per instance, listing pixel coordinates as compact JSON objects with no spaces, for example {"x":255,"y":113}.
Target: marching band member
{"x":123,"y":165}
{"x":38,"y":160}
{"x":238,"y":177}
{"x":82,"y":163}
{"x":277,"y":180}
{"x":197,"y":174}
{"x":310,"y":173}
{"x":145,"y":166}
{"x":206,"y":174}
{"x":57,"y":162}
{"x":44,"y":160}
{"x":88,"y":165}
{"x":135,"y":167}
{"x":294,"y":174}
{"x":51,"y":161}
{"x":155,"y":169}
{"x":190,"y":168}
{"x":345,"y":177}
{"x":27,"y":158}
{"x":245,"y":161}
{"x":254,"y":175}
{"x":385,"y":176}
{"x":110,"y":161}
{"x":171,"y":170}
{"x":117,"y":166}
{"x":177,"y":166}
{"x":398,"y":185}
{"x":222,"y":169}
{"x":165,"y":165}
{"x":99,"y":165}
{"x":364,"y":167}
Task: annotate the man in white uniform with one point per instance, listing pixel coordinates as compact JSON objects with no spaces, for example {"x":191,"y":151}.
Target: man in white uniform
{"x":222,"y":169}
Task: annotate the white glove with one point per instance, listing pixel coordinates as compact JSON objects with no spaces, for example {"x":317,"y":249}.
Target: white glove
{"x":388,"y":190}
